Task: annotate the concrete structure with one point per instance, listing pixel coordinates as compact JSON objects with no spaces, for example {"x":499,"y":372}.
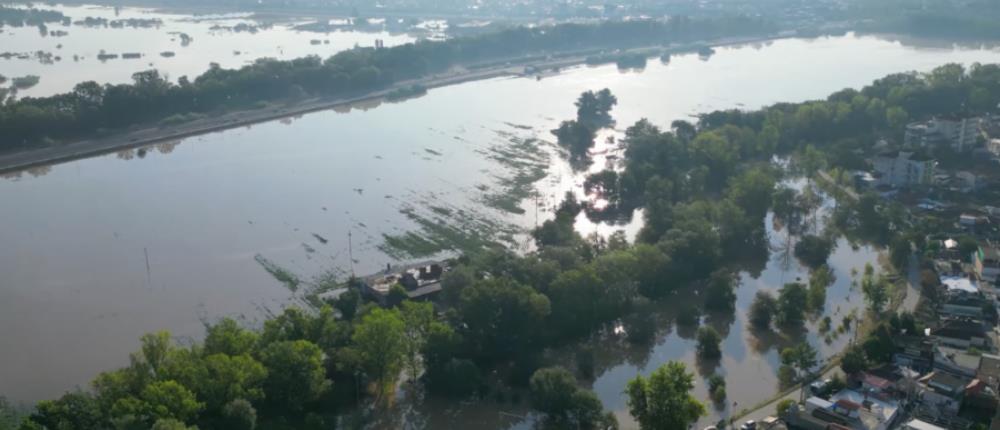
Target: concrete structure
{"x":959,"y":133}
{"x":986,"y":261}
{"x":903,"y":169}
{"x":941,"y":394}
{"x":914,"y":352}
{"x":956,"y":362}
{"x":420,"y":281}
{"x":865,"y":412}
{"x":962,"y":334}
{"x":916,"y":424}
{"x":989,"y":370}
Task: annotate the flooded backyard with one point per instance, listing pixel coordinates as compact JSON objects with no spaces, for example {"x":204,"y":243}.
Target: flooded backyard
{"x":102,"y":250}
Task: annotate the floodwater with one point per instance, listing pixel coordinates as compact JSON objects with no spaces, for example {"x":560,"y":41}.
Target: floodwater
{"x":98,"y":251}
{"x":223,"y":39}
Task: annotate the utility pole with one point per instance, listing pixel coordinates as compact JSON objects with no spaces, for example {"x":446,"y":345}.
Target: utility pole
{"x":350,"y":251}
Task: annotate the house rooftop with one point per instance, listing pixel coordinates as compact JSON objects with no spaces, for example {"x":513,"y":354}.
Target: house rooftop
{"x":989,"y":367}
{"x":871,"y":410}
{"x":916,"y":424}
{"x":875,"y":381}
{"x":959,"y":283}
{"x":989,"y":253}
{"x":960,"y":329}
{"x":945,"y":383}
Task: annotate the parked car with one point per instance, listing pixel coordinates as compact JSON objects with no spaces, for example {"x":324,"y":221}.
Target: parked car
{"x":749,"y":425}
{"x":820,"y":388}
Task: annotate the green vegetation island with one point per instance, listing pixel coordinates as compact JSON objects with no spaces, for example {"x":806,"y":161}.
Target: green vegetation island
{"x":706,"y":189}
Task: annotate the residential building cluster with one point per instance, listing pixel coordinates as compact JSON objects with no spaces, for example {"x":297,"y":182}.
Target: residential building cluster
{"x":947,"y":376}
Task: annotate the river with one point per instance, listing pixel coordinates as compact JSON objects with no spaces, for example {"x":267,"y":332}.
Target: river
{"x":230,"y":40}
{"x":101,"y":250}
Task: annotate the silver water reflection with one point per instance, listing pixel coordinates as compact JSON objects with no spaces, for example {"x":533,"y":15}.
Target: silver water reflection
{"x":76,"y":294}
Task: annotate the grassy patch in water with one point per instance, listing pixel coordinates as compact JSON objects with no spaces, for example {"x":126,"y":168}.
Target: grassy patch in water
{"x":285,"y":276}
{"x":453,"y":229}
{"x":442,"y":227}
{"x":525,"y":162}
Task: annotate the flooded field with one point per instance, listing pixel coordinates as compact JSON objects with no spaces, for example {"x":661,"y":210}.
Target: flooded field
{"x":99,"y":251}
{"x":99,"y":43}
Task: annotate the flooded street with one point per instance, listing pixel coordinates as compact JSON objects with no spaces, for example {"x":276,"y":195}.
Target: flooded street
{"x":78,"y":291}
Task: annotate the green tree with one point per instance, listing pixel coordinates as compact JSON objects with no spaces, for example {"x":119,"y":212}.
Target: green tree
{"x":501,"y":318}
{"x":417,"y":321}
{"x":792,"y":301}
{"x":708,"y":343}
{"x":74,"y":410}
{"x":820,"y":278}
{"x":380,"y":339}
{"x":552,"y":391}
{"x":719,"y":292}
{"x":227,"y":337}
{"x":10,"y":417}
{"x":783,"y":407}
{"x":593,"y":109}
{"x":762,"y":310}
{"x":348,"y":303}
{"x":813,"y":250}
{"x":576,"y":136}
{"x":854,"y":360}
{"x":876,"y":290}
{"x":752,"y":191}
{"x":397,"y":295}
{"x":801,"y":358}
{"x":295,"y":374}
{"x":171,"y":424}
{"x":664,"y":400}
{"x":581,"y":300}
{"x":717,"y":388}
{"x":160,"y":400}
{"x":227,"y":378}
{"x":239,"y":414}
{"x":587,"y":413}
{"x":896,"y":117}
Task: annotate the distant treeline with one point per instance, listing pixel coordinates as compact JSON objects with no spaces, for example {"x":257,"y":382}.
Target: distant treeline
{"x":944,"y":26}
{"x":92,"y":108}
{"x":18,"y":17}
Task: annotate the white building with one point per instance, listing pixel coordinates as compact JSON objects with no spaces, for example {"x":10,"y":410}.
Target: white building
{"x":865,"y":412}
{"x":959,"y":133}
{"x":903,"y":169}
{"x":916,"y":424}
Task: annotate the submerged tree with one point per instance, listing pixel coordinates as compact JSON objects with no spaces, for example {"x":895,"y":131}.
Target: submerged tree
{"x":708,"y":343}
{"x":594,"y":109}
{"x":664,"y":401}
{"x":762,"y":310}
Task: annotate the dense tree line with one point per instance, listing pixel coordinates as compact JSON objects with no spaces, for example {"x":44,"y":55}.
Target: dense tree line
{"x":92,"y":108}
{"x":20,"y":17}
